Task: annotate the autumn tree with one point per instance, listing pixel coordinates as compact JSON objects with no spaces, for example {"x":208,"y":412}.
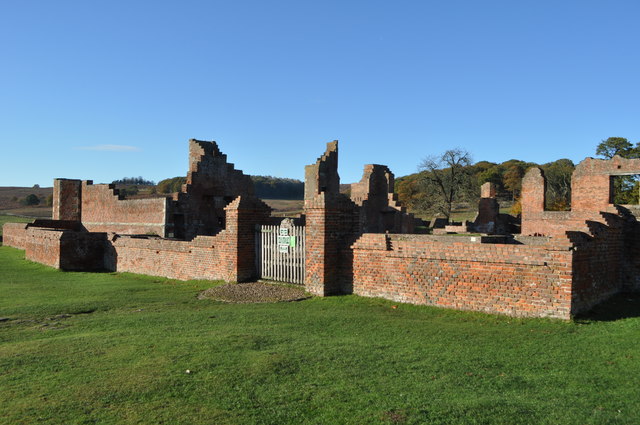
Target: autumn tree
{"x":558,"y":175}
{"x":448,"y":178}
{"x":512,"y":180}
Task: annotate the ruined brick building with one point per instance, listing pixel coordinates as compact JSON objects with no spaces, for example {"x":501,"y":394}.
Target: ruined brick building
{"x":562,"y":264}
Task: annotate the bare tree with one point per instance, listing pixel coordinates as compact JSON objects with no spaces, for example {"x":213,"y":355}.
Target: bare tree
{"x":448,"y":179}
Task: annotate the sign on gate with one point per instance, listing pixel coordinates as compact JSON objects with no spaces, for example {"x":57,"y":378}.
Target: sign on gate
{"x":280,"y":252}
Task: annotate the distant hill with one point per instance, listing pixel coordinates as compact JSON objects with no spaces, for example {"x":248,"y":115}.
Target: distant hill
{"x":267,"y":187}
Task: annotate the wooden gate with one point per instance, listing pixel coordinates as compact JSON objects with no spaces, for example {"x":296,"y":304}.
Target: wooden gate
{"x":280,"y":252}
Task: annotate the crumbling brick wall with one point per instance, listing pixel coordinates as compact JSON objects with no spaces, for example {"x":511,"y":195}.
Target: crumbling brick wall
{"x":105,"y":210}
{"x":334,"y":222}
{"x":591,"y":193}
{"x":487,"y":220}
{"x":101,"y":208}
{"x":212,"y":183}
{"x":229,"y":255}
{"x":380,"y":211}
{"x":517,"y":280}
{"x":322,"y":176}
{"x":592,"y":184}
{"x":199,"y":209}
{"x":605,"y":260}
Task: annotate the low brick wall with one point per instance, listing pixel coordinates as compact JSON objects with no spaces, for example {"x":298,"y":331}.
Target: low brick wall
{"x":605,"y":262}
{"x":517,"y":280}
{"x":65,"y":249}
{"x":206,"y":257}
{"x":43,"y":246}
{"x":557,"y":223}
{"x":14,"y":235}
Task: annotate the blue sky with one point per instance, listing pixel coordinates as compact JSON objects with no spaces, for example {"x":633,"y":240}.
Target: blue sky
{"x":106,"y":89}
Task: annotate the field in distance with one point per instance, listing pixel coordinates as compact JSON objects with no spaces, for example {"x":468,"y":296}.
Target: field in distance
{"x":12,"y":202}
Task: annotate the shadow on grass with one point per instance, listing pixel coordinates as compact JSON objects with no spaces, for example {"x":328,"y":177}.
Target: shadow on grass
{"x":619,"y":306}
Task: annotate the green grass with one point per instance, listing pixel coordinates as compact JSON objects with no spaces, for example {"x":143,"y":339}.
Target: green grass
{"x":12,"y":219}
{"x":122,"y":354}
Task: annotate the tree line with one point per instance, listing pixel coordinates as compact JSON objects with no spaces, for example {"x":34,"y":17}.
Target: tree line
{"x":267,"y":187}
{"x":449,"y":179}
{"x":134,"y":181}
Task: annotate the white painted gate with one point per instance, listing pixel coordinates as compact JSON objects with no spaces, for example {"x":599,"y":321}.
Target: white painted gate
{"x":280,"y":252}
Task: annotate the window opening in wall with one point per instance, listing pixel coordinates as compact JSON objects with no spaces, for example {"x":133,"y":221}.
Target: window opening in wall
{"x":624,"y":190}
{"x":558,"y":194}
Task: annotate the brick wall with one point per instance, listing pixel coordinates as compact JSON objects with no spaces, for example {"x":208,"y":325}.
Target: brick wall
{"x":591,"y":181}
{"x":590,"y":194}
{"x":104,"y":211}
{"x":14,"y":234}
{"x":605,"y":260}
{"x":67,"y":196}
{"x":206,"y":257}
{"x":518,"y":280}
{"x":64,"y":249}
{"x":229,"y":255}
{"x":331,"y":227}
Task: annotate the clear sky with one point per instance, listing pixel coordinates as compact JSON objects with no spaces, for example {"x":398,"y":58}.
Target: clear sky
{"x":106,"y":89}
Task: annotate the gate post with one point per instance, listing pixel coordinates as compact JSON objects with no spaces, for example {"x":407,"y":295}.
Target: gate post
{"x":243,"y":213}
{"x":331,"y":228}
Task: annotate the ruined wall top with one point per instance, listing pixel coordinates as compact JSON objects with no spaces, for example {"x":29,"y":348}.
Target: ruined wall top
{"x":201,"y":148}
{"x":209,"y":170}
{"x":591,"y":183}
{"x":488,"y":190}
{"x":323,"y":175}
{"x":377,"y":181}
{"x":615,"y":166}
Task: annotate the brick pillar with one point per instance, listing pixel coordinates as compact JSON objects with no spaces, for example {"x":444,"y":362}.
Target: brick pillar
{"x":534,"y":186}
{"x":532,"y":200}
{"x":67,"y":199}
{"x":488,"y":190}
{"x":242,"y":216}
{"x":331,"y":227}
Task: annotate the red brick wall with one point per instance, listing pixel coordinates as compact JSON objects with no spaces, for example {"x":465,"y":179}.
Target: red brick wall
{"x":14,"y":234}
{"x":331,"y":227}
{"x":229,"y":255}
{"x":605,"y":260}
{"x":532,"y":201}
{"x":43,"y":246}
{"x":518,"y":280}
{"x":206,"y":257}
{"x":103,"y":211}
{"x":591,"y":181}
{"x":67,"y":199}
{"x":557,"y":223}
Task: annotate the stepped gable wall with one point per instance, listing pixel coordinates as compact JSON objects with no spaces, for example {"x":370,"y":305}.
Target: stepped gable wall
{"x":380,"y":210}
{"x":212,"y":183}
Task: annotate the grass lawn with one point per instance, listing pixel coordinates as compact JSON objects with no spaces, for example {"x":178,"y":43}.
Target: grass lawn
{"x":12,"y":219}
{"x":104,"y":348}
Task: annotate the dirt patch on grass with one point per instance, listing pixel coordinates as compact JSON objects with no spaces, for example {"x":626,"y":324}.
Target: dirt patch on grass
{"x":254,"y":292}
